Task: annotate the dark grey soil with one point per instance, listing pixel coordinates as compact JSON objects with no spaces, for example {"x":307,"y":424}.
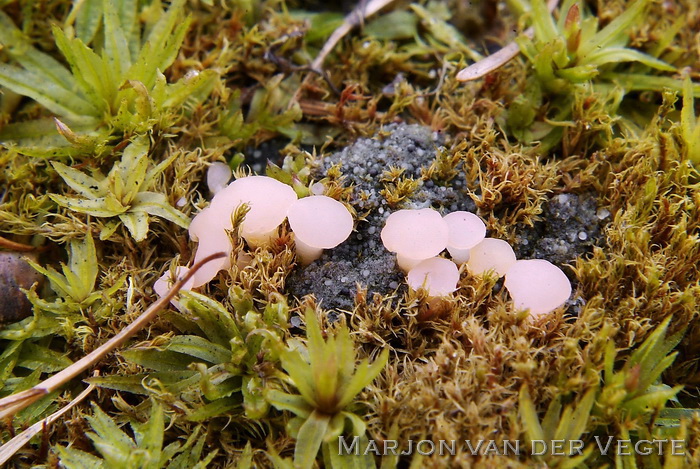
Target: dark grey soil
{"x":571,"y":225}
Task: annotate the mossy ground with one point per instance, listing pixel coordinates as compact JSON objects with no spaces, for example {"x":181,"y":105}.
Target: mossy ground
{"x":456,"y":368}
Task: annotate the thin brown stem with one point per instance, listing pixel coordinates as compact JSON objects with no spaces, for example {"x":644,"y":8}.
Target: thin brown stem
{"x":15,"y":444}
{"x":10,"y":405}
{"x":495,"y":61}
{"x":355,"y":18}
{"x":15,"y":246}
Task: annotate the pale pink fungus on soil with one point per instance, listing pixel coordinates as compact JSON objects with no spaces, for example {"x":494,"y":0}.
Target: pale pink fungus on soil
{"x":318,"y":189}
{"x":491,"y":254}
{"x":218,"y":176}
{"x":268,"y":200}
{"x":438,"y":276}
{"x":165,"y":283}
{"x":537,"y":285}
{"x":318,"y":222}
{"x":466,"y":230}
{"x":415,"y":235}
{"x":208,"y":228}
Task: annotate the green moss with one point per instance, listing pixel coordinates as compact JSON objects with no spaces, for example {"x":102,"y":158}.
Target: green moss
{"x":222,"y":372}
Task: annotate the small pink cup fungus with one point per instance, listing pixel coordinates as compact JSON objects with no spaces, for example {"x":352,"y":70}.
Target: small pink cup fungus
{"x":466,"y":230}
{"x":318,"y":222}
{"x":218,"y":176}
{"x":438,"y":276}
{"x":537,"y":285}
{"x":208,"y":228}
{"x":165,"y":283}
{"x":268,"y":200}
{"x":415,"y":235}
{"x":491,"y":254}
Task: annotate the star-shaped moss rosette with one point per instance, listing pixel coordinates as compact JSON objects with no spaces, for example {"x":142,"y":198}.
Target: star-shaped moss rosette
{"x":146,"y":449}
{"x":114,"y":82}
{"x":121,"y":193}
{"x":75,"y":287}
{"x":572,"y":49}
{"x":328,"y":380}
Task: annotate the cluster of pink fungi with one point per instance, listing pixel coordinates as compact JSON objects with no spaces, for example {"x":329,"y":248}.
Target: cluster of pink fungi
{"x":419,"y":236}
{"x":416,"y":236}
{"x":318,"y":222}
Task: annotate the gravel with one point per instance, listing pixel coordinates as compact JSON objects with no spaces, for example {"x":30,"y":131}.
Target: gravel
{"x":571,"y":225}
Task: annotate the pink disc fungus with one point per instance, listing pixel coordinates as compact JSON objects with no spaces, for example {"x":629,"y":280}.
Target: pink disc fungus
{"x":415,"y":235}
{"x":208,"y":228}
{"x":218,"y":176}
{"x":438,"y":276}
{"x":268,"y":200}
{"x":537,"y":285}
{"x":491,"y":254}
{"x":466,"y":230}
{"x":165,"y":283}
{"x":318,"y":222}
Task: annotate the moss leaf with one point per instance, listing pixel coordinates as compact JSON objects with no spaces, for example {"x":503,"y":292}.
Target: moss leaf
{"x":309,"y":439}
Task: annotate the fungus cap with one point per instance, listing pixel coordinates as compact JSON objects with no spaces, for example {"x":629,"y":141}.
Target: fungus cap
{"x":208,"y":228}
{"x":465,"y":230}
{"x":491,"y":254}
{"x":218,"y":176}
{"x":437,"y":275}
{"x":206,"y":222}
{"x":537,"y":285}
{"x":267,"y":198}
{"x":320,"y":221}
{"x":210,"y":243}
{"x":415,"y":234}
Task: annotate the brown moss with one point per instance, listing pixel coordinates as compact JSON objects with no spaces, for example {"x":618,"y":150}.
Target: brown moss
{"x":456,"y":368}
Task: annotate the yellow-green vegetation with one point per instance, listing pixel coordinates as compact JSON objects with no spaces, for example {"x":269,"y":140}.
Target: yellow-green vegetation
{"x":630,"y":393}
{"x":120,"y":193}
{"x":571,"y":55}
{"x":328,"y":381}
{"x":144,"y":450}
{"x":111,"y":112}
{"x":690,"y":127}
{"x":117,"y":84}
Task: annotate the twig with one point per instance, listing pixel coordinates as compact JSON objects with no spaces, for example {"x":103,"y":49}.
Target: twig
{"x":10,"y":405}
{"x":15,"y":444}
{"x":15,"y":246}
{"x":353,"y":19}
{"x":288,"y":67}
{"x":495,"y":61}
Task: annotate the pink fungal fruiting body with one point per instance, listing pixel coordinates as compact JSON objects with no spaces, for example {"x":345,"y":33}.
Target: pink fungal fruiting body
{"x":466,"y":230}
{"x":414,"y":235}
{"x":268,"y":201}
{"x":491,"y":254}
{"x":537,"y":285}
{"x":208,"y":228}
{"x":318,"y":222}
{"x":438,"y":276}
{"x":218,"y":176}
